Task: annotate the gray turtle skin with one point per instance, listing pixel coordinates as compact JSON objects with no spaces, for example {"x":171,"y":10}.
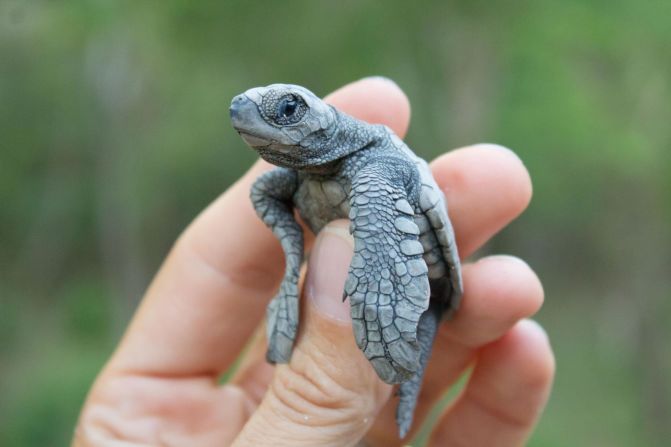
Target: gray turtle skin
{"x":405,"y":274}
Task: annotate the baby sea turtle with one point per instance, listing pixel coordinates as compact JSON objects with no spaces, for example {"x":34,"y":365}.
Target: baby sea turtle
{"x":405,"y":274}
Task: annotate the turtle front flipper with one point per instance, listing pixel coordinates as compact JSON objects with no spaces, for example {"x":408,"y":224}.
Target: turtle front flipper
{"x":271,"y":196}
{"x":387,"y":283}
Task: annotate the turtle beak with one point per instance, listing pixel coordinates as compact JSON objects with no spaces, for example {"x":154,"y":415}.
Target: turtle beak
{"x":253,"y":140}
{"x":247,"y":121}
{"x":240,"y":109}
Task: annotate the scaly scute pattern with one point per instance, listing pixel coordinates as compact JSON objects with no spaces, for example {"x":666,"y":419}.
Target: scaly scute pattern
{"x":387,"y":283}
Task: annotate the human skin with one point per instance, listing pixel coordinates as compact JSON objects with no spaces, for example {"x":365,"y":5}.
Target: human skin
{"x":160,"y":387}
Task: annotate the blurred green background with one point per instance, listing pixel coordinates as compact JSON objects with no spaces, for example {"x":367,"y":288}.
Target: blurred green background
{"x":114,"y":134}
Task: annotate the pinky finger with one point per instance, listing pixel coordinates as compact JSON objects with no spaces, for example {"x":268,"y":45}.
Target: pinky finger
{"x":505,"y":395}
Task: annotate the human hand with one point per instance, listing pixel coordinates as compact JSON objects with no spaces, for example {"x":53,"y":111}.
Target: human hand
{"x":161,"y":385}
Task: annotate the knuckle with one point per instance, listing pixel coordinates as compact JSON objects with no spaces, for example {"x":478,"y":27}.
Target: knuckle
{"x":308,"y":395}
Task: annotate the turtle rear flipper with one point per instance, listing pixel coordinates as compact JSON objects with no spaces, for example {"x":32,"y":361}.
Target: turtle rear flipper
{"x":442,"y":258}
{"x":409,"y":391}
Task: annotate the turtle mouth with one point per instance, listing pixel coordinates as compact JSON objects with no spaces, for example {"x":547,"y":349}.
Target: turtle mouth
{"x":254,"y":140}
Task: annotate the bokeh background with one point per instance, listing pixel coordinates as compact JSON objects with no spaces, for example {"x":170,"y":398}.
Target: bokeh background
{"x":114,"y":134}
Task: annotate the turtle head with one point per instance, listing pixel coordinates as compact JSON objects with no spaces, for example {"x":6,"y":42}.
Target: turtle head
{"x":284,"y":123}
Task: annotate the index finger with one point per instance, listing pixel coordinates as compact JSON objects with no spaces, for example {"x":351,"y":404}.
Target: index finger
{"x":212,"y":290}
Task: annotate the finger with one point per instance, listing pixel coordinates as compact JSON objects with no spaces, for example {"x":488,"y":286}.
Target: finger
{"x":499,"y":292}
{"x":392,"y":107}
{"x":213,"y":288}
{"x":328,"y":394}
{"x":486,"y":187}
{"x":506,"y":393}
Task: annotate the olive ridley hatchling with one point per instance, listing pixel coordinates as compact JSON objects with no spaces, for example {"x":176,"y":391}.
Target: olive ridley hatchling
{"x":405,"y":274}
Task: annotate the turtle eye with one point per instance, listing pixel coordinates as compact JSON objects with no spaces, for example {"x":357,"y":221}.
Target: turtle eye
{"x":286,"y":110}
{"x":287,"y":106}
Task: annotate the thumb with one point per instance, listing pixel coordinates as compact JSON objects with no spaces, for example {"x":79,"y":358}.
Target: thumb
{"x":328,"y":394}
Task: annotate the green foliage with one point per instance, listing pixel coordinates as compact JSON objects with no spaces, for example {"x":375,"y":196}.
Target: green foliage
{"x":115,"y":135}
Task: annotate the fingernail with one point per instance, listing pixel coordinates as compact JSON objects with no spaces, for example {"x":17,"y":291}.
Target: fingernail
{"x":327,"y":271}
{"x":504,"y":258}
{"x":499,"y":148}
{"x":536,"y":326}
{"x":380,"y":78}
